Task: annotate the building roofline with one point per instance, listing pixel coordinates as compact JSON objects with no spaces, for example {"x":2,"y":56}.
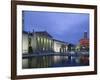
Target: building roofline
{"x":43,"y":33}
{"x":27,"y":33}
{"x":47,"y":35}
{"x":60,"y":41}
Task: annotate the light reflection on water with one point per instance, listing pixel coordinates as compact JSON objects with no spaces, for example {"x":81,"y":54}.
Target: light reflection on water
{"x":53,"y":61}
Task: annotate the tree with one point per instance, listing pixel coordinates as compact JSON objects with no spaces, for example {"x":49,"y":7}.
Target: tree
{"x":71,"y":47}
{"x":30,"y":50}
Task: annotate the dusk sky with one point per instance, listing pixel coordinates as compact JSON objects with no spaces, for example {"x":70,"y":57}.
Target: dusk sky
{"x":67,"y":27}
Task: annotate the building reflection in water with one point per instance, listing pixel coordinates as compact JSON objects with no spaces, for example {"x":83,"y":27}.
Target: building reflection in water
{"x":54,"y":61}
{"x":41,"y":50}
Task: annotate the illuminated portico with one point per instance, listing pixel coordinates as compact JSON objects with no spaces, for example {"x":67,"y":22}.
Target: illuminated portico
{"x":43,"y":42}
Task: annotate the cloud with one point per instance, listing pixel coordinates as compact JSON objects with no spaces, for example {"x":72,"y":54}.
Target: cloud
{"x":63,"y":26}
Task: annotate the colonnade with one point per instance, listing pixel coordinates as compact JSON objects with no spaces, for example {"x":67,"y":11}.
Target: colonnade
{"x":44,"y":44}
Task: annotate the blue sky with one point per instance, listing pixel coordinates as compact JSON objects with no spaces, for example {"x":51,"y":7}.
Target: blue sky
{"x":68,"y":27}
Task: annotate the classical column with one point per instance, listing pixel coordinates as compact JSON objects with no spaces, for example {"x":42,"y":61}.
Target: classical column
{"x":37,"y":43}
{"x":47,"y":44}
{"x":40,"y":44}
{"x":44,"y":44}
{"x":52,"y":45}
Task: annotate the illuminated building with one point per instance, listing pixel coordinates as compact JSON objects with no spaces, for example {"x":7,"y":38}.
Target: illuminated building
{"x":38,"y":43}
{"x":42,"y":42}
{"x":84,"y":42}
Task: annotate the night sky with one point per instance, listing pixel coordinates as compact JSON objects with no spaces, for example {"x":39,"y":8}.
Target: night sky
{"x":67,"y":27}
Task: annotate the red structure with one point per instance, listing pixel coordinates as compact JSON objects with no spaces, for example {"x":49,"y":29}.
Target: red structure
{"x":84,"y":42}
{"x":84,"y":46}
